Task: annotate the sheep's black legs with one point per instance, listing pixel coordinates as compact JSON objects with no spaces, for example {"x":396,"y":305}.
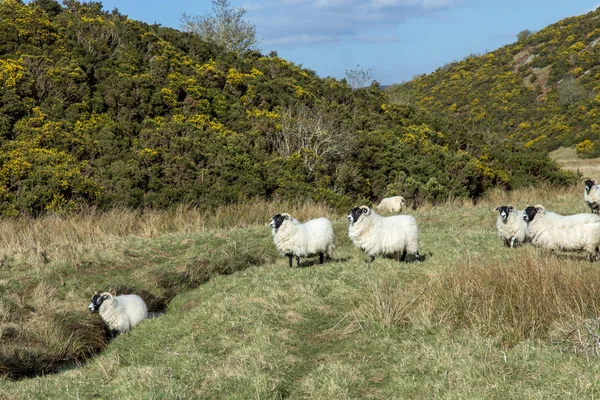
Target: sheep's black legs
{"x":403,"y":257}
{"x":321,"y":258}
{"x":290,"y":258}
{"x":298,"y":261}
{"x":371,"y":259}
{"x":417,"y":256}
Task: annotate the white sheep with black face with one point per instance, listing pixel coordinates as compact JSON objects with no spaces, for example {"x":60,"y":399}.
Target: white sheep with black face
{"x":381,"y":236}
{"x":510,"y":225}
{"x":294,"y":239}
{"x":563,"y":232}
{"x":393,"y":204}
{"x":120,"y":313}
{"x":591,"y":195}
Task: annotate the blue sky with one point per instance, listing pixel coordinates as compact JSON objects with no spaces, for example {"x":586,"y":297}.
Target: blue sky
{"x":395,"y":39}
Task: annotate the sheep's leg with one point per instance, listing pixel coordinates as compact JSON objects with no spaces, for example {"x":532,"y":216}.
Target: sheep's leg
{"x":371,"y":259}
{"x":512,"y":242}
{"x":290,"y":258}
{"x":298,"y":261}
{"x":403,"y":257}
{"x":321,"y":258}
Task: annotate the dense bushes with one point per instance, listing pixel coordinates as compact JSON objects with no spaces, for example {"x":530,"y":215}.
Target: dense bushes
{"x":97,"y":109}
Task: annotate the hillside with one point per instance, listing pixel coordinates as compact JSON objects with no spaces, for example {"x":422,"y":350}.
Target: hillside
{"x":98,"y":110}
{"x":541,"y":90}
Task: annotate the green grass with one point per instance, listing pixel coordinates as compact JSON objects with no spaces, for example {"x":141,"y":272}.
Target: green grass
{"x":454,"y":326}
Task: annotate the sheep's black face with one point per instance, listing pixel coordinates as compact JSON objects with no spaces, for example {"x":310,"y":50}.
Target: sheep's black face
{"x":588,"y":185}
{"x":529,"y":213}
{"x":504,"y":211}
{"x":276,"y":221}
{"x":355,"y":214}
{"x":97,"y":301}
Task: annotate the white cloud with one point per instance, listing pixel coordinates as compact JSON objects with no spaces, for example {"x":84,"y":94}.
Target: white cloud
{"x":253,"y":7}
{"x":305,"y":22}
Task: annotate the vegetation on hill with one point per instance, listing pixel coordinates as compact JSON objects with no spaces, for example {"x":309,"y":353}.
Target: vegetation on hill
{"x":543,"y":90}
{"x":100,"y":110}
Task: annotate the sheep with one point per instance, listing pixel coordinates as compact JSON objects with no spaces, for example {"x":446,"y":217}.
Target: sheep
{"x":393,"y":204}
{"x":120,"y":313}
{"x":591,"y":195}
{"x":379,"y":236}
{"x":566,"y":232}
{"x":294,"y":239}
{"x":510,"y":225}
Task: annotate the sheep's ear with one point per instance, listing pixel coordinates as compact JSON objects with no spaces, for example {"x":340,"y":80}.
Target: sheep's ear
{"x":540,"y":208}
{"x":511,"y":207}
{"x":497,"y":208}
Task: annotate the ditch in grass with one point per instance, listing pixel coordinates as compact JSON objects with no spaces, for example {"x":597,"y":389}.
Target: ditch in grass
{"x":38,"y":341}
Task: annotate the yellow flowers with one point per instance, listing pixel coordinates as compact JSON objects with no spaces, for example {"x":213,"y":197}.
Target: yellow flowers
{"x":168,"y":97}
{"x":584,"y":147}
{"x":11,"y":72}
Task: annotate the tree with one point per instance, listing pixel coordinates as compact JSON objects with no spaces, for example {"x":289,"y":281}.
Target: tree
{"x":524,"y":35}
{"x":224,"y":28}
{"x":359,"y":77}
{"x":570,"y":90}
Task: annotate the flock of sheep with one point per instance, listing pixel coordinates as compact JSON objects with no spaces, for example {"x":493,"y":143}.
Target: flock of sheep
{"x":553,"y":231}
{"x":396,"y":235}
{"x":372,"y":233}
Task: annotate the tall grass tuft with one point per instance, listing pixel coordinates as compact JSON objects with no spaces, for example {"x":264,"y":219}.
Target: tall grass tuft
{"x":388,"y":304}
{"x":516,"y":300}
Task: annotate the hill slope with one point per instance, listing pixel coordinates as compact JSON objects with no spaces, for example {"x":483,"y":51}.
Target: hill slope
{"x":541,"y":90}
{"x":97,"y":109}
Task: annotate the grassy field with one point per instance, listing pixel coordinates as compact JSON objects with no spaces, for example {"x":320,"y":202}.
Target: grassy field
{"x":473,"y":320}
{"x":567,"y":158}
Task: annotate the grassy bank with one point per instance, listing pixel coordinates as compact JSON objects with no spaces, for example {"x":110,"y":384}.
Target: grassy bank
{"x":474,"y":320}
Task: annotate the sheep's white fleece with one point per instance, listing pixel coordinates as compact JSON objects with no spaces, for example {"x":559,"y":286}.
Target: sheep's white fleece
{"x":566,"y":232}
{"x":377,"y":235}
{"x":513,"y":229}
{"x":391,"y":204}
{"x":121,"y":313}
{"x":304,"y":240}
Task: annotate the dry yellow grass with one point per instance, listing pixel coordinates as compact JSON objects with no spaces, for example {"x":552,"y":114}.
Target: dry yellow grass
{"x":567,"y":158}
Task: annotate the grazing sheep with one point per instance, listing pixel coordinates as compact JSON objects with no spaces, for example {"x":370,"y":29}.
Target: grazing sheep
{"x":120,"y":313}
{"x":566,"y":232}
{"x":591,"y":195}
{"x":379,"y":236}
{"x":393,"y":204}
{"x":510,"y":225}
{"x":294,"y":239}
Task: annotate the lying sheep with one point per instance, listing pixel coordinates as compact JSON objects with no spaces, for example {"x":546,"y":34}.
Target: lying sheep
{"x":393,"y":204}
{"x":591,"y":195}
{"x":294,"y":239}
{"x":565,"y":232}
{"x":120,"y":313}
{"x":380,"y":236}
{"x":510,"y":225}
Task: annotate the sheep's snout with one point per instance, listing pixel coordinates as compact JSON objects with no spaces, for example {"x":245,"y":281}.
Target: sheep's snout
{"x":350,"y":218}
{"x":503,"y":215}
{"x":91,"y":307}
